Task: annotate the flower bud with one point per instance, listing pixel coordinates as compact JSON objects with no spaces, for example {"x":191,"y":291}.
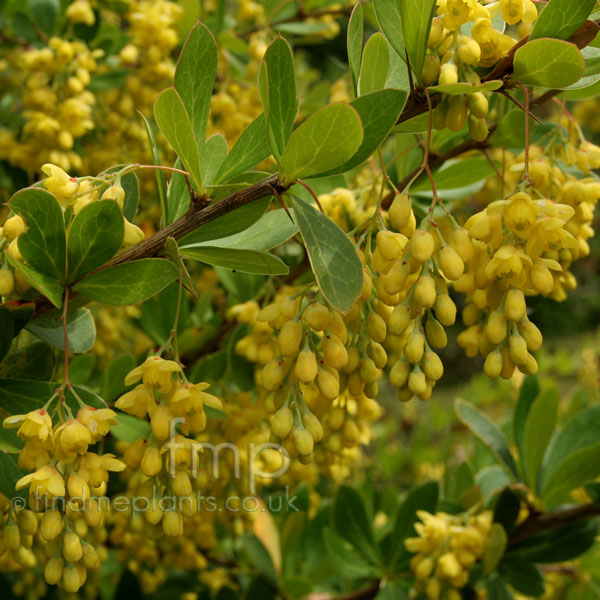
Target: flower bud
{"x":395,"y":279}
{"x":282,"y":423}
{"x":353,"y":360}
{"x":457,"y":113}
{"x":532,"y":335}
{"x":160,"y":422}
{"x":78,"y":487}
{"x":51,"y":525}
{"x":181,"y":484}
{"x":7,"y":283}
{"x":133,"y":234}
{"x":151,"y":462}
{"x":399,"y":373}
{"x":478,"y":129}
{"x":116,"y":193}
{"x":377,"y":353}
{"x":72,"y":550}
{"x":328,"y":385}
{"x":460,"y":240}
{"x":417,"y":383}
{"x":289,"y":338}
{"x":514,"y":305}
{"x":541,"y":278}
{"x":451,"y":263}
{"x":317,"y":316}
{"x":445,"y":310}
{"x":478,"y":105}
{"x":436,"y":32}
{"x":495,"y":328}
{"x":13,"y":227}
{"x":376,"y":327}
{"x":399,"y":319}
{"x":334,"y":352}
{"x":530,"y":366}
{"x":172,"y":523}
{"x":436,"y":334}
{"x":368,"y":370}
{"x":306,"y":366}
{"x":431,"y":69}
{"x":313,"y":426}
{"x":303,"y":441}
{"x":12,"y":536}
{"x":448,"y":74}
{"x":400,"y":211}
{"x":388,"y":245}
{"x":28,"y":522}
{"x":468,"y":50}
{"x":432,"y":366}
{"x":272,"y":374}
{"x":421,"y":246}
{"x":518,"y":349}
{"x":493,"y":364}
{"x":415,"y":346}
{"x":53,"y":571}
{"x":90,"y":557}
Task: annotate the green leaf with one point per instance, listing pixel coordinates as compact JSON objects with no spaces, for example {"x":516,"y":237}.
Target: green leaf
{"x":511,"y":130}
{"x":326,"y":140}
{"x":113,"y":380}
{"x":279,"y":94}
{"x":497,"y":590}
{"x":81,"y":331}
{"x":494,"y":549}
{"x":390,"y":21}
{"x":258,"y":555}
{"x":10,"y":441}
{"x":45,"y":13}
{"x":466,"y":88}
{"x":272,"y":229}
{"x":215,"y":153}
{"x":488,"y":434}
{"x":507,"y":509}
{"x":229,"y":224}
{"x":7,"y":331}
{"x":48,"y":286}
{"x":346,"y":561}
{"x":416,"y":16}
{"x":128,"y":283}
{"x":378,"y":112}
{"x":175,"y":123}
{"x":375,"y":65}
{"x":332,"y":256}
{"x":160,"y":175}
{"x":295,"y":587}
{"x":592,"y":62}
{"x":528,"y":393}
{"x":581,"y":431}
{"x":349,"y":517}
{"x":43,"y":243}
{"x":392,"y":590}
{"x":539,"y":428}
{"x":35,"y":361}
{"x":548,"y":63}
{"x":80,"y":368}
{"x":129,"y":429}
{"x":575,"y":470}
{"x":354,"y":40}
{"x":424,"y":497}
{"x":246,"y":261}
{"x":194,"y":81}
{"x":557,"y":544}
{"x":131,"y":186}
{"x":561,"y":18}
{"x":416,"y":124}
{"x":10,"y":473}
{"x":525,"y":577}
{"x":250,"y":149}
{"x":95,"y":236}
{"x":492,"y":479}
{"x":171,"y":250}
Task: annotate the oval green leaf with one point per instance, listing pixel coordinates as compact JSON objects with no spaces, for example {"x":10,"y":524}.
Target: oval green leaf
{"x":332,"y":256}
{"x":561,"y":18}
{"x":246,"y":261}
{"x":375,"y":64}
{"x":416,"y":16}
{"x":128,"y":283}
{"x":326,"y":140}
{"x":81,"y":331}
{"x":95,"y":236}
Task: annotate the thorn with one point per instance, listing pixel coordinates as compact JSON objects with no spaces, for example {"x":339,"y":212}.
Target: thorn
{"x":274,"y":190}
{"x":316,"y":199}
{"x":410,"y":75}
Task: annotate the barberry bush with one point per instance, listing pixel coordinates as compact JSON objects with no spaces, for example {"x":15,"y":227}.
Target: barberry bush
{"x":241,"y":243}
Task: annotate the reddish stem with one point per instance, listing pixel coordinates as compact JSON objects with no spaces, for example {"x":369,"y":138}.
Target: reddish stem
{"x":311,"y":193}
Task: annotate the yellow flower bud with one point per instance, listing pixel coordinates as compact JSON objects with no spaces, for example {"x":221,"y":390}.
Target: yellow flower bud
{"x":272,"y":374}
{"x":422,"y":245}
{"x":376,"y":327}
{"x":541,"y":278}
{"x":530,"y":366}
{"x":399,"y":319}
{"x":448,"y":74}
{"x":532,"y":335}
{"x":160,"y":422}
{"x":116,"y":193}
{"x":7,"y":283}
{"x":90,"y":557}
{"x":417,"y":383}
{"x":13,"y":228}
{"x":328,"y":385}
{"x":478,"y":105}
{"x":436,"y":32}
{"x":353,"y":360}
{"x":368,"y":370}
{"x":28,"y":522}
{"x":431,"y":69}
{"x":518,"y":349}
{"x":306,"y":366}
{"x":425,"y":293}
{"x":12,"y":536}
{"x":13,"y":250}
{"x":151,"y":462}
{"x":313,"y":426}
{"x":495,"y":328}
{"x":445,"y":310}
{"x":436,"y":334}
{"x":468,"y":50}
{"x":133,"y":234}
{"x":72,"y":550}
{"x":289,"y":338}
{"x":334,"y":352}
{"x":377,"y":353}
{"x":303,"y":441}
{"x":389,"y":245}
{"x":508,"y":366}
{"x":172,"y":523}
{"x":415,"y":346}
{"x":51,"y":525}
{"x":451,"y":263}
{"x":395,"y":279}
{"x":514,"y":305}
{"x":269,"y":313}
{"x":282,"y":423}
{"x":78,"y":487}
{"x":432,"y":366}
{"x":400,"y":211}
{"x":493,"y":364}
{"x":317,"y":316}
{"x":457,"y":113}
{"x":478,"y":129}
{"x":399,"y":373}
{"x":460,"y":240}
{"x":181,"y":484}
{"x":53,"y":571}
{"x":337,"y":327}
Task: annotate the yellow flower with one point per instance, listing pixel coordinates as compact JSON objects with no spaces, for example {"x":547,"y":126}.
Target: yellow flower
{"x":494,"y":45}
{"x":508,"y":261}
{"x":137,"y":402}
{"x":514,"y":11}
{"x":46,"y":480}
{"x":458,"y":12}
{"x":35,"y":454}
{"x":94,"y":468}
{"x":98,"y":421}
{"x":154,"y":371}
{"x":36,"y":424}
{"x":58,"y":182}
{"x":549,"y":234}
{"x":72,"y":438}
{"x":192,"y":397}
{"x":519,"y":213}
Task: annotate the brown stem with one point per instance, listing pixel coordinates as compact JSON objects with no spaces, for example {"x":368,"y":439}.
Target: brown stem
{"x":196,"y":216}
{"x":64,"y":319}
